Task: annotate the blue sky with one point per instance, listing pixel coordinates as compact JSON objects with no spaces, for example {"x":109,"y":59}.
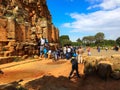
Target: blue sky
{"x":79,"y":18}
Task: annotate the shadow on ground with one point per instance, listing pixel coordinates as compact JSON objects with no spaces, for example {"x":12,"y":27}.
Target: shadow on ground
{"x":63,"y":83}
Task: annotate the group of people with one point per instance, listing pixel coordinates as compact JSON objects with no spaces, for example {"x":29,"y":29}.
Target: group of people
{"x":66,"y":52}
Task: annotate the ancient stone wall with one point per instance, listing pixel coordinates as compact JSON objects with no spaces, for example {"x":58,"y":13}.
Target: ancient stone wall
{"x":20,"y":12}
{"x":25,"y":20}
{"x":55,"y":34}
{"x":3,"y":31}
{"x":11,"y":28}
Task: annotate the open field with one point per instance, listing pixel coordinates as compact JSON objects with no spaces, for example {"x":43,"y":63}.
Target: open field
{"x":105,"y":53}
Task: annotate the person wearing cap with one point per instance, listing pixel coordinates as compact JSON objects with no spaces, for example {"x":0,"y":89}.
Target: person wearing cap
{"x":74,"y":63}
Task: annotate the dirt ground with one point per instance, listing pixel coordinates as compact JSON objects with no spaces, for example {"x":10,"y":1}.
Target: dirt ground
{"x":49,"y":75}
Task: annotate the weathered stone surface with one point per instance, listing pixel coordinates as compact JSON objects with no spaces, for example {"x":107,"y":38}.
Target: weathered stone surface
{"x":3,"y":30}
{"x":24,"y":57}
{"x":12,"y":86}
{"x":33,"y":12}
{"x":4,"y":60}
{"x":116,"y":75}
{"x":104,"y":70}
{"x":22,"y":12}
{"x":8,"y":87}
{"x":25,"y":21}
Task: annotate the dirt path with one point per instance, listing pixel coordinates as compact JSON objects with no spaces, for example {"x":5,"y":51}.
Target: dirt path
{"x":31,"y":70}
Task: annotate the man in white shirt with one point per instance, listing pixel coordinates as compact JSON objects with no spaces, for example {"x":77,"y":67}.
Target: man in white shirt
{"x":42,"y":41}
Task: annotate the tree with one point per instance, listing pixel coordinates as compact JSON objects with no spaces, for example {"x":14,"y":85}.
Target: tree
{"x":118,"y":41}
{"x":109,"y":42}
{"x":85,"y":39}
{"x":78,"y":40}
{"x":64,"y":39}
{"x":99,"y":37}
{"x":89,"y":40}
{"x":76,"y":43}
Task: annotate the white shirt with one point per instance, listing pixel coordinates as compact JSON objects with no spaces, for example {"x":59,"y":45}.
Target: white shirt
{"x":69,"y":49}
{"x":42,"y":41}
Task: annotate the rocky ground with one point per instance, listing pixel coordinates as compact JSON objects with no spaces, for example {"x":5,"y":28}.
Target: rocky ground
{"x":41,"y":74}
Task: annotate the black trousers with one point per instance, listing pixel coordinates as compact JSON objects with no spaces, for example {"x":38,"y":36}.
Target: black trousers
{"x":74,"y":69}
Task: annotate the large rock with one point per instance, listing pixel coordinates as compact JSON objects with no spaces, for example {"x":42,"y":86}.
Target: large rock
{"x":8,"y":87}
{"x":12,"y":86}
{"x":104,"y":70}
{"x":116,"y":56}
{"x":116,"y":75}
{"x":91,"y":64}
{"x":4,"y":60}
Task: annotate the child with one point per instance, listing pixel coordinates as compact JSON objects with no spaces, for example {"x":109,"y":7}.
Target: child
{"x":89,"y":53}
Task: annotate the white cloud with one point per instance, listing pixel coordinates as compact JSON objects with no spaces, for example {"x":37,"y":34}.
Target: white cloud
{"x":107,"y":22}
{"x":95,"y":6}
{"x":110,"y":4}
{"x":107,"y":4}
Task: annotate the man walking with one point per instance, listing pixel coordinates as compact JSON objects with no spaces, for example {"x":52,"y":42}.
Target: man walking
{"x":74,"y":67}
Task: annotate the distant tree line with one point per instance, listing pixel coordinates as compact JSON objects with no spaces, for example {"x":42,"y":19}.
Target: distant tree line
{"x":96,"y":40}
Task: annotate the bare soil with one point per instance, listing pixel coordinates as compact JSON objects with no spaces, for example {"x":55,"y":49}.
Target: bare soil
{"x":49,"y":75}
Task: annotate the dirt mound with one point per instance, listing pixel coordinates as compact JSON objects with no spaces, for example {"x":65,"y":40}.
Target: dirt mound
{"x":50,"y":83}
{"x":63,"y":83}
